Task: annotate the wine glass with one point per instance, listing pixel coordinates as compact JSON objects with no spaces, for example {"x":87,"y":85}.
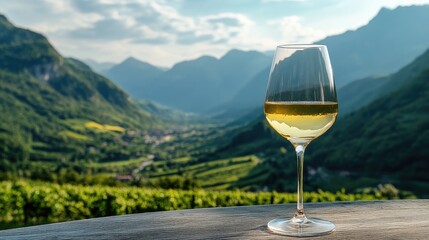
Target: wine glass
{"x":300,"y":105}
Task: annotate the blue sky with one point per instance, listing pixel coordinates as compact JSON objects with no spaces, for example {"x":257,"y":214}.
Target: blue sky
{"x":164,"y":32}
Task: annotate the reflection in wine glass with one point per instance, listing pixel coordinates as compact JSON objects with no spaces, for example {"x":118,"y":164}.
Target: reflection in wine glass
{"x":300,"y":105}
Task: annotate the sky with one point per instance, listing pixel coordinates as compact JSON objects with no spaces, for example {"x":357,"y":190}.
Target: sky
{"x":164,"y":32}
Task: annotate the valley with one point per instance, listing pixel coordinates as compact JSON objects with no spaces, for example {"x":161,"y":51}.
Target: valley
{"x":82,"y":139}
{"x":200,"y":123}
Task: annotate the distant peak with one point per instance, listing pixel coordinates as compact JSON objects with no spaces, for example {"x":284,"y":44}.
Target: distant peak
{"x":206,"y":57}
{"x":134,"y":63}
{"x":234,"y":53}
{"x":131,"y":59}
{"x":402,"y":9}
{"x":382,"y":9}
{"x":388,"y":15}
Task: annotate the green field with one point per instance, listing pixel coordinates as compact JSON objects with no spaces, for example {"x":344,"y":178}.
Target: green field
{"x":24,"y":202}
{"x":217,"y":174}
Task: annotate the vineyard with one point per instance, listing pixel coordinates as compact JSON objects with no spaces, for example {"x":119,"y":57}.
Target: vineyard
{"x":27,"y":203}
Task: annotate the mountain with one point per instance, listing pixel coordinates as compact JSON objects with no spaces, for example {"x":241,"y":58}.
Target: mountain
{"x":99,"y":67}
{"x":55,"y":108}
{"x":187,"y":85}
{"x":387,"y":137}
{"x":388,"y":42}
{"x":383,"y":141}
{"x":197,"y":85}
{"x":135,"y":77}
{"x":248,"y":100}
{"x":168,"y":114}
{"x":361,"y":92}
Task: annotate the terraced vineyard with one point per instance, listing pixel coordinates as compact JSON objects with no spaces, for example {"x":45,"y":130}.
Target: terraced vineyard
{"x":215,"y":174}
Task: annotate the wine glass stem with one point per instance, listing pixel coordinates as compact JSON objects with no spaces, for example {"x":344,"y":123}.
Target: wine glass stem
{"x":300,"y":215}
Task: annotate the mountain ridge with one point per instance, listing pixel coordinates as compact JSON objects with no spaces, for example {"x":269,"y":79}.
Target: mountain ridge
{"x":361,"y":92}
{"x":197,"y":85}
{"x":350,"y":57}
{"x":355,"y":55}
{"x":386,"y":138}
{"x":141,"y":75}
{"x":47,"y":101}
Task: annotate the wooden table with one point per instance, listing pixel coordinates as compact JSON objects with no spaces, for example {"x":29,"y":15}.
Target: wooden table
{"x":402,"y":219}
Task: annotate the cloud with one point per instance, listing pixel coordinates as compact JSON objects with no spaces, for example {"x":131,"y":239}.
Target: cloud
{"x":224,"y":27}
{"x":106,"y":29}
{"x":147,"y":22}
{"x":152,"y":22}
{"x":164,"y":32}
{"x":86,"y":6}
{"x":294,"y":31}
{"x":151,"y":40}
{"x":188,"y":38}
{"x":225,"y":21}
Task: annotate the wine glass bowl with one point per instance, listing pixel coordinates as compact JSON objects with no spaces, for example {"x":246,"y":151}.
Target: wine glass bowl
{"x":301,"y":105}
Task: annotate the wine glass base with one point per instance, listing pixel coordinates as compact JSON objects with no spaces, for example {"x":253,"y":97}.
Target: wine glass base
{"x":311,"y":227}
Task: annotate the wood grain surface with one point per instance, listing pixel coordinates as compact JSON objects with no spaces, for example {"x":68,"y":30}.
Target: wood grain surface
{"x":402,"y":219}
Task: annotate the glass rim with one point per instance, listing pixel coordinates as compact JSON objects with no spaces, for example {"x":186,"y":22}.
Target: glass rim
{"x":301,"y":46}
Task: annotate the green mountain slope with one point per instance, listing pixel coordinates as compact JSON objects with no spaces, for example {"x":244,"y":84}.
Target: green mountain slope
{"x":52,"y":107}
{"x":99,"y":67}
{"x":389,"y":136}
{"x":384,"y":141}
{"x":361,"y":92}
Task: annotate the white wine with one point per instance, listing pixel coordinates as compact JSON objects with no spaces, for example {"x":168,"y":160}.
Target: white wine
{"x":300,"y":80}
{"x":301,"y":122}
